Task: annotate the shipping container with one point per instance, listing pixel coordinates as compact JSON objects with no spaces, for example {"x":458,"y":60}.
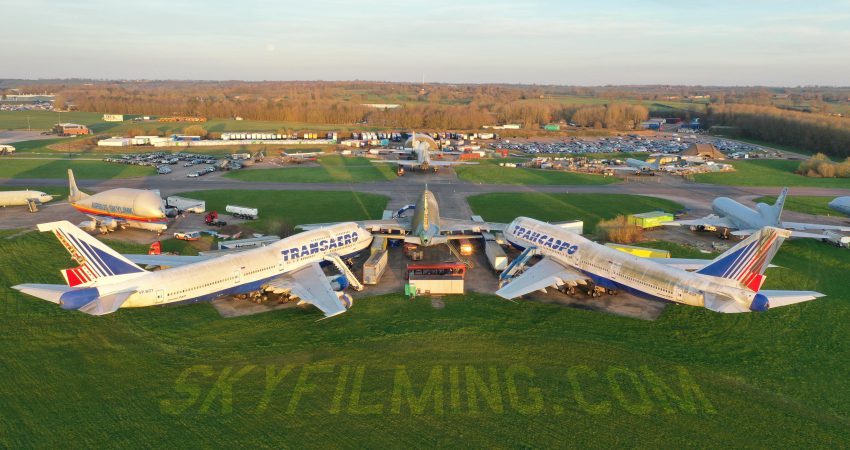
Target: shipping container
{"x":650,"y":220}
{"x":374,"y":267}
{"x":552,"y":127}
{"x":186,"y":204}
{"x":573,"y":226}
{"x":379,"y":243}
{"x":495,"y":256}
{"x":640,"y":251}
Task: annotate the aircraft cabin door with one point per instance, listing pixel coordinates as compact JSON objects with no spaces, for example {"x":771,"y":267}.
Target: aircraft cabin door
{"x":237,"y":276}
{"x":160,"y":296}
{"x":677,"y":292}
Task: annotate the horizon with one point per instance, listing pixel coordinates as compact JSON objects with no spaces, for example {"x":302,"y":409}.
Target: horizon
{"x":770,"y":44}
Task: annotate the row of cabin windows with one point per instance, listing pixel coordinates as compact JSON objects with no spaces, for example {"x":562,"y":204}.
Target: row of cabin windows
{"x":183,"y":291}
{"x":636,"y":280}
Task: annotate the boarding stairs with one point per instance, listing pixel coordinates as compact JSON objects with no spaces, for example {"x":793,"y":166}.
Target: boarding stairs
{"x":453,"y":248}
{"x":343,"y":269}
{"x":516,"y":266}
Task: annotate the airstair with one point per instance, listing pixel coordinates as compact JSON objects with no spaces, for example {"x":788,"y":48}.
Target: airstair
{"x":516,"y":266}
{"x":453,"y":248}
{"x":343,"y":269}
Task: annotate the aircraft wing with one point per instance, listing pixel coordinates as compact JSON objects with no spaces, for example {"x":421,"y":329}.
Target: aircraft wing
{"x":401,"y":162}
{"x":710,"y":220}
{"x":785,"y":298}
{"x":400,"y":225}
{"x":812,"y":226}
{"x":449,"y":163}
{"x":546,"y":273}
{"x":311,"y":286}
{"x":165,"y":260}
{"x":469,"y":226}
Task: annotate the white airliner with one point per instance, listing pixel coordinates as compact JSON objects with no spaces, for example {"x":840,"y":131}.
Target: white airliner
{"x":426,"y":227}
{"x":23,"y":198}
{"x":732,"y":215}
{"x":423,"y":160}
{"x":106,"y":280}
{"x":731,"y":283}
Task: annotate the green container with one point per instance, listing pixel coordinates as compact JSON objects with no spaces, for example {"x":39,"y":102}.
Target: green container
{"x":552,"y":127}
{"x":653,"y":219}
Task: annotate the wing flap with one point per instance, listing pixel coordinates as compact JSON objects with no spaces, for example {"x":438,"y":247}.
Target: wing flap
{"x":544,"y":274}
{"x":812,"y":226}
{"x":457,"y":225}
{"x":311,"y":286}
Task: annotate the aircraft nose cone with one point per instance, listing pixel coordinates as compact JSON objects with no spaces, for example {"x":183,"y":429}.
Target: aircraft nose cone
{"x":46,"y":198}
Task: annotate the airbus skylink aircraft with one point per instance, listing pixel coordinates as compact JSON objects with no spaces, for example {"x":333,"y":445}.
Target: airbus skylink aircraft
{"x":426,"y":227}
{"x":731,"y":283}
{"x":106,"y":280}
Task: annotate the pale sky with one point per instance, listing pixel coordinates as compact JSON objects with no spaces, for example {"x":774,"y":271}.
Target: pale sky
{"x":594,"y":42}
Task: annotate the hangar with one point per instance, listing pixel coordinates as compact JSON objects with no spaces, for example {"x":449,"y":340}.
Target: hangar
{"x":706,"y":151}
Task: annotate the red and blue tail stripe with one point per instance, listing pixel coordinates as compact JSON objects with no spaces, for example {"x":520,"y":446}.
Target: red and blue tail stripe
{"x":747,"y":261}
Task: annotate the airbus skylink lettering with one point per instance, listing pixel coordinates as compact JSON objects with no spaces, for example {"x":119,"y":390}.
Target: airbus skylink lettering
{"x":318,"y":389}
{"x":318,"y":246}
{"x":545,"y":240}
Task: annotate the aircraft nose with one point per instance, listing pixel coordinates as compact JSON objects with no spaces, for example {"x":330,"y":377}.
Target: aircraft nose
{"x":46,"y":198}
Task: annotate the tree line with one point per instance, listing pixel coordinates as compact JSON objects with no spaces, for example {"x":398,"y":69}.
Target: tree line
{"x":815,"y":132}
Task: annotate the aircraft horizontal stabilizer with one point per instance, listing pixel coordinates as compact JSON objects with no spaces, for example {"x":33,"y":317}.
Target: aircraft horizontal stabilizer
{"x":785,"y":298}
{"x":50,"y":292}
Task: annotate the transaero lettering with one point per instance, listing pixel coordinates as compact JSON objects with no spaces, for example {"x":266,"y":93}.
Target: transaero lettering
{"x":544,"y":240}
{"x":319,"y":246}
{"x":112,"y":208}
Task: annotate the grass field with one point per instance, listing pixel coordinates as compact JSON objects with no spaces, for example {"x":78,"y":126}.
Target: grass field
{"x":280,"y":211}
{"x":332,"y":169}
{"x":808,"y":204}
{"x":527,"y":374}
{"x":45,"y":120}
{"x":591,"y":208}
{"x":58,"y":168}
{"x":489,"y":172}
{"x":769,"y":172}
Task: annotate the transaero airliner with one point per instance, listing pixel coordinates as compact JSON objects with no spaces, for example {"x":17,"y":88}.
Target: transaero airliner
{"x":730,"y":284}
{"x":106,"y":280}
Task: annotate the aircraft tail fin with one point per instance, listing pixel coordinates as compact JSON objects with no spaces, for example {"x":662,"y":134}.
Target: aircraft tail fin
{"x":747,"y":261}
{"x":75,"y":194}
{"x":780,"y":204}
{"x":95,"y":258}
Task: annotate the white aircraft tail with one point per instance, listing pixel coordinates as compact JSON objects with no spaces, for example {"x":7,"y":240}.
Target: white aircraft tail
{"x":97,"y":261}
{"x":747,"y":261}
{"x":75,"y":194}
{"x":777,"y":207}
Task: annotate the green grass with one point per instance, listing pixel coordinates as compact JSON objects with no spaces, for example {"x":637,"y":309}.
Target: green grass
{"x":591,"y":208}
{"x":770,"y":380}
{"x":332,"y":169}
{"x":769,"y":172}
{"x":808,"y":204}
{"x":489,"y":172}
{"x":58,"y":168}
{"x":45,"y":120}
{"x":280,"y":211}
